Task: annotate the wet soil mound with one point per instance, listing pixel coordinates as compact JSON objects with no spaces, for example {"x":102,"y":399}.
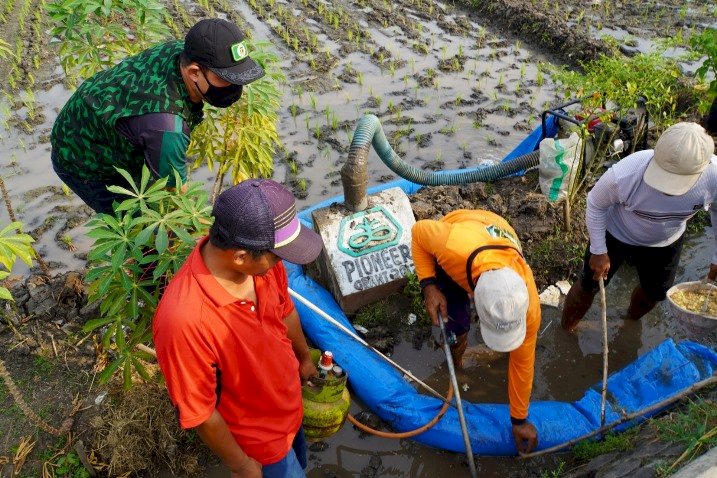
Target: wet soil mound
{"x":533,"y":23}
{"x":552,"y":252}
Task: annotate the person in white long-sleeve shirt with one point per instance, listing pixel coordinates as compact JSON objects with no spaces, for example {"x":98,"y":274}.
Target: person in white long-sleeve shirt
{"x":638,"y":212}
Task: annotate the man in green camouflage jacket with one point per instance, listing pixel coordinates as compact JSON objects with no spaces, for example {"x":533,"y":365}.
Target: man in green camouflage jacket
{"x":142,"y":110}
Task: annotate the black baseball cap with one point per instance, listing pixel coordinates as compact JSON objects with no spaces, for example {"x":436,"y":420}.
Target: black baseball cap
{"x":220,"y":46}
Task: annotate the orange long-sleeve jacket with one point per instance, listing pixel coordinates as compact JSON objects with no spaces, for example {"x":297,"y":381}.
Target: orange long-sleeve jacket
{"x":448,"y":243}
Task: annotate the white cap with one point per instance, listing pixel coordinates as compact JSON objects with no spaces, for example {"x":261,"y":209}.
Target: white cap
{"x":501,"y":298}
{"x":682,"y":152}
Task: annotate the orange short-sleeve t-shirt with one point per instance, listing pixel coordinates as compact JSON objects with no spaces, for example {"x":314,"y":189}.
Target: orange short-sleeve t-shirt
{"x":217,"y":351}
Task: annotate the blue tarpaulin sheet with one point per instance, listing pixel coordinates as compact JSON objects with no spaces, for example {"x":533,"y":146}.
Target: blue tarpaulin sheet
{"x":661,"y":373}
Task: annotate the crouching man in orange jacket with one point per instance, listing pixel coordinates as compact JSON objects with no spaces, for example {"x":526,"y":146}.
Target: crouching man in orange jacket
{"x":474,"y":252}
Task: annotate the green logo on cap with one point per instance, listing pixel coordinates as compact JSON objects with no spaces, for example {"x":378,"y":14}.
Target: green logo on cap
{"x":239,"y":51}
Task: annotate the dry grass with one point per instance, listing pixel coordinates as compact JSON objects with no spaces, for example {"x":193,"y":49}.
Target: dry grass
{"x":137,"y":430}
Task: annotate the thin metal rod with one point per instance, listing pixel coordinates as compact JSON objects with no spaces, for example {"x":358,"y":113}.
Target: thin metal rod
{"x":657,"y":406}
{"x":459,"y":403}
{"x":344,"y":329}
{"x":603,"y":304}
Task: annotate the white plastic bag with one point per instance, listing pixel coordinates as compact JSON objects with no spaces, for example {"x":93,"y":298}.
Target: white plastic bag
{"x":559,"y":160}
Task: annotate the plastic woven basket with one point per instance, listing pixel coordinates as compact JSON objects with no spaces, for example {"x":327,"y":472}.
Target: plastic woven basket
{"x":693,"y":323}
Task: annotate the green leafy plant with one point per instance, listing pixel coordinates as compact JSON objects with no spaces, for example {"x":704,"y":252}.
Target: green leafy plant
{"x":14,"y":245}
{"x":70,"y":466}
{"x":63,"y":463}
{"x":134,"y":255}
{"x":696,"y":427}
{"x":374,"y":315}
{"x":412,"y":290}
{"x":706,"y":44}
{"x":589,"y":449}
{"x":241,"y":140}
{"x":557,"y":472}
{"x":95,"y":34}
{"x":622,"y":80}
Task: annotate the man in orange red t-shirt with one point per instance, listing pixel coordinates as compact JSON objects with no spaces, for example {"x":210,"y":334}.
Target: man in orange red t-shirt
{"x":228,"y":338}
{"x":473,"y":252}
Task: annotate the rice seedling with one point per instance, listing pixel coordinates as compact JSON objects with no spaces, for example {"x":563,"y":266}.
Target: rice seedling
{"x":293,"y":167}
{"x":301,"y":185}
{"x":11,"y":80}
{"x":580,"y":17}
{"x":448,"y":130}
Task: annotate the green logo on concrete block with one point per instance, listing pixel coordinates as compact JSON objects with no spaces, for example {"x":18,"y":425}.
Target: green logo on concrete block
{"x":368,"y":231}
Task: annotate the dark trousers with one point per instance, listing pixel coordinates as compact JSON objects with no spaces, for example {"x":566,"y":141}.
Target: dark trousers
{"x":299,"y":446}
{"x":93,"y":193}
{"x":656,"y":266}
{"x":459,"y":307}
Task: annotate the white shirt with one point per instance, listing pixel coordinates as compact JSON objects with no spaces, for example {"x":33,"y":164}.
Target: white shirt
{"x":635,"y":213}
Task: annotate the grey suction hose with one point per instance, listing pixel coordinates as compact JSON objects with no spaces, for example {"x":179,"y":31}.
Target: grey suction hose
{"x":354,"y":174}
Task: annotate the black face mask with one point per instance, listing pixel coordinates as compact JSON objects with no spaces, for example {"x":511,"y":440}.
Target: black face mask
{"x":221,"y":97}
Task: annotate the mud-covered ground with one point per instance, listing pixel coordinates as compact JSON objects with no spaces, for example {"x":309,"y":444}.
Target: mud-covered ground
{"x":454,"y":83}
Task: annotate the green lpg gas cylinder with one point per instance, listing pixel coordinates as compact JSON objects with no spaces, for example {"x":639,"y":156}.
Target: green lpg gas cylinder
{"x":326,"y":404}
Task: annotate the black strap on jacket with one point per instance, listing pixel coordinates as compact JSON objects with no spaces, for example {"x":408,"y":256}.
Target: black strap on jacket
{"x":472,"y":256}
